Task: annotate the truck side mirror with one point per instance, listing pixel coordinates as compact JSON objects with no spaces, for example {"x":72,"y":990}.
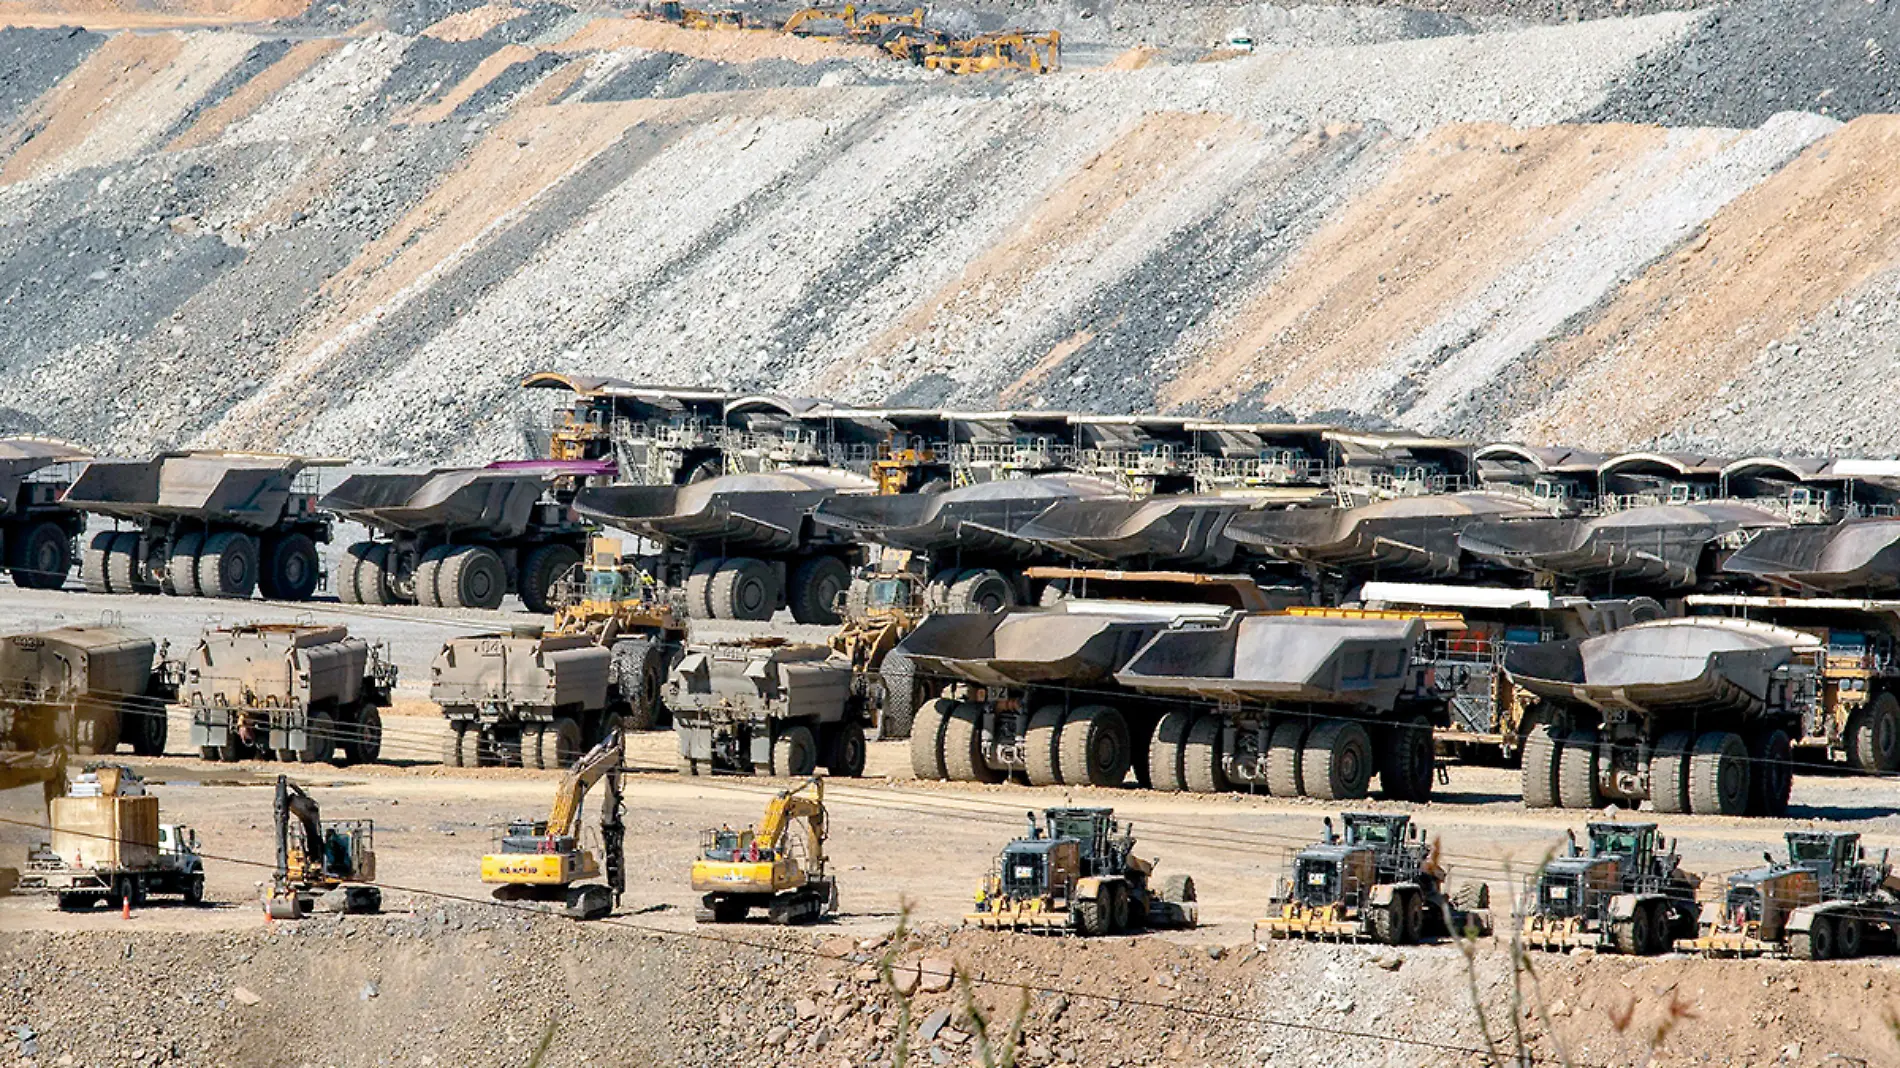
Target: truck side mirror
{"x":1331,"y":838}
{"x":1769,"y":857}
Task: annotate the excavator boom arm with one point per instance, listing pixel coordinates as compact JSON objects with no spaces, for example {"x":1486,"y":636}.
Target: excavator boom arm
{"x":807,"y":802}
{"x":593,"y":765}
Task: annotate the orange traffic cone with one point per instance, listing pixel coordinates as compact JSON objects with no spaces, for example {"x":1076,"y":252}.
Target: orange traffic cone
{"x":125,"y":907}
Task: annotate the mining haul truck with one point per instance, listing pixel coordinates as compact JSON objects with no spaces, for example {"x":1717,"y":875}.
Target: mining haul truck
{"x":742,"y":546}
{"x":1077,"y":873}
{"x":1623,"y":890}
{"x":541,"y":697}
{"x":962,"y":546}
{"x":464,"y":537}
{"x":1309,"y":702}
{"x":36,"y":533}
{"x":204,"y":524}
{"x":1380,"y":882}
{"x":1032,"y":692}
{"x":1488,"y":717}
{"x":85,"y":688}
{"x":1826,"y":901}
{"x":766,"y":705}
{"x":108,"y":846}
{"x":290,"y":690}
{"x":1693,"y":715}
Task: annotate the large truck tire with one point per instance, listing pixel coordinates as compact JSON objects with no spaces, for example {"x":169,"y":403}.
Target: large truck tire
{"x":40,"y":557}
{"x":1336,"y":764}
{"x":471,"y":576}
{"x":1201,"y":767}
{"x":459,"y":750}
{"x":847,"y":752}
{"x":96,"y":730}
{"x":1405,"y":762}
{"x":1770,"y":773}
{"x":639,"y":665}
{"x":1669,"y":773}
{"x":699,"y":588}
{"x":1873,"y":735}
{"x":794,"y":753}
{"x":816,"y":584}
{"x":289,"y":569}
{"x":93,"y":573}
{"x":744,"y":588}
{"x":1095,"y":747}
{"x":1539,"y":770}
{"x":145,"y":725}
{"x":227,"y":567}
{"x":926,"y":739}
{"x":1718,"y":775}
{"x":319,"y":738}
{"x":1167,"y":755}
{"x":979,"y":589}
{"x":1042,"y":747}
{"x":542,"y":572}
{"x":1284,"y":745}
{"x":1577,"y":785}
{"x":429,"y":576}
{"x":901,"y":697}
{"x":181,"y":567}
{"x":963,"y":746}
{"x":363,"y":741}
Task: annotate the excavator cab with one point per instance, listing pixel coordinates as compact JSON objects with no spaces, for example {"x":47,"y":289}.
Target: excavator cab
{"x":778,"y":866}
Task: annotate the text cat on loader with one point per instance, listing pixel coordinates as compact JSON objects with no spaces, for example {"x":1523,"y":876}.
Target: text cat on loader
{"x":545,"y":862}
{"x":328,"y":866}
{"x":773,"y":866}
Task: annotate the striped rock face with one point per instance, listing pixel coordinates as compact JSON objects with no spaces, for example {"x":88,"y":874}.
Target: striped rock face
{"x":346,"y":235}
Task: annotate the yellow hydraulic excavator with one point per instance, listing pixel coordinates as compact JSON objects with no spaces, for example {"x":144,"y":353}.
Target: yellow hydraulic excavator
{"x":778,"y":866}
{"x":328,"y":866}
{"x":1038,"y":53}
{"x":544,"y":862}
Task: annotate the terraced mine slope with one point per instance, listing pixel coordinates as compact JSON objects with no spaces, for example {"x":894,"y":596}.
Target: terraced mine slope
{"x":353,"y":230}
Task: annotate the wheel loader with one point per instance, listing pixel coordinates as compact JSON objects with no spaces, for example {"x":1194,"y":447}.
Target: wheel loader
{"x":1825,"y":901}
{"x":1624,"y":891}
{"x":1380,"y":881}
{"x":773,"y":866}
{"x":1076,"y":873}
{"x":327,"y":866}
{"x":543,"y":863}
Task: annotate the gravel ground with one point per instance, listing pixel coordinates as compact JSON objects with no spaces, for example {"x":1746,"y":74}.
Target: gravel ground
{"x":1749,"y":60}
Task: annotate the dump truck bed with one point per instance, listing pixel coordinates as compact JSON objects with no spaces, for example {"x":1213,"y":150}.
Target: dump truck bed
{"x":1690,"y":664}
{"x":1859,"y":555}
{"x":986,"y":517}
{"x":499,"y":503}
{"x":1175,"y":530}
{"x":1662,"y":544}
{"x":234,"y":487}
{"x":1075,"y":642}
{"x":1262,"y":659}
{"x":1416,"y":535}
{"x":20,"y":458}
{"x":761,"y":512}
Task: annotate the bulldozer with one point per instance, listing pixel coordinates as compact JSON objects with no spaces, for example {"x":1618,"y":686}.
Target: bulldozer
{"x":1076,"y":872}
{"x":328,"y":866}
{"x":544,"y":863}
{"x":771,"y":867}
{"x":1379,"y":882}
{"x":1625,"y":891}
{"x":1825,"y":901}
